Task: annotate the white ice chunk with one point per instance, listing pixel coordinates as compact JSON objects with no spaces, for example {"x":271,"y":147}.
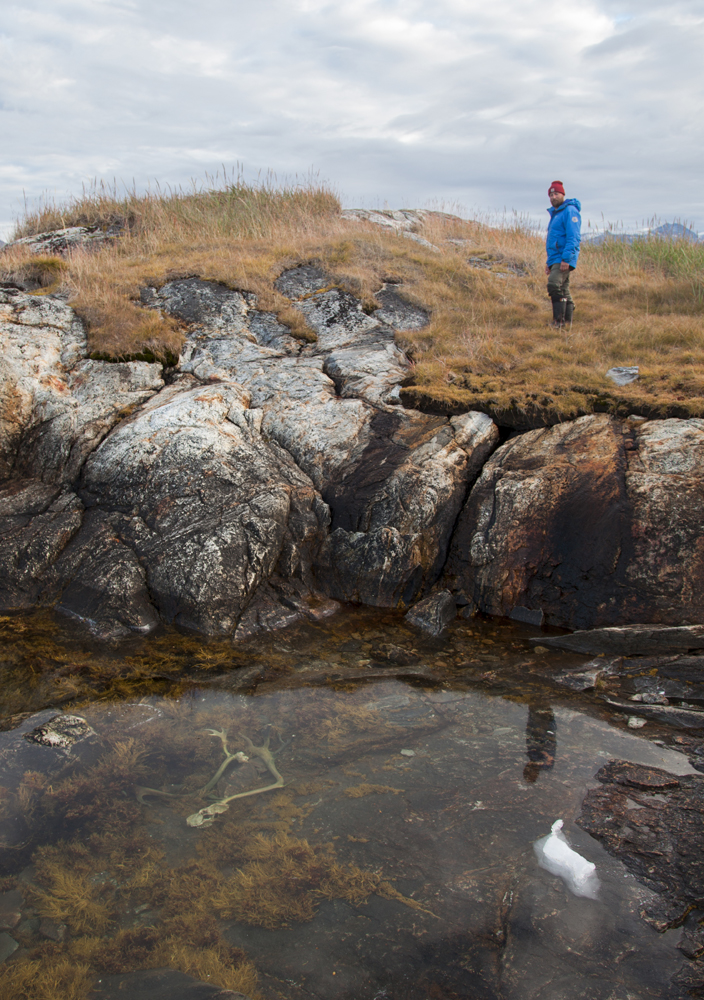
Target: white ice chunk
{"x":557,"y":857}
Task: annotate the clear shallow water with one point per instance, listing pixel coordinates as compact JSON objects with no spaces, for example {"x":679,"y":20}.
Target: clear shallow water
{"x":396,"y":861}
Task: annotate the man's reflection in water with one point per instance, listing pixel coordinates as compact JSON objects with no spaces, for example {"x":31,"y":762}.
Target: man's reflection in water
{"x":541,"y":742}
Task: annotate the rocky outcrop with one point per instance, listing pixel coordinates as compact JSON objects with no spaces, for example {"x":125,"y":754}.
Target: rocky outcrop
{"x":594,"y":522}
{"x":57,"y":405}
{"x":273,"y":477}
{"x":269,"y":479}
{"x":394,"y":479}
{"x":209,"y":508}
{"x":62,"y":241}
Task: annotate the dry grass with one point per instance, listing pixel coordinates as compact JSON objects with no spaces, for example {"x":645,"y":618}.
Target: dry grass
{"x":488,"y":345}
{"x":491,"y":348}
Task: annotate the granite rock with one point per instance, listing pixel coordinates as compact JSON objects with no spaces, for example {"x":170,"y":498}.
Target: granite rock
{"x":206,"y":504}
{"x":58,"y":404}
{"x":394,"y":479}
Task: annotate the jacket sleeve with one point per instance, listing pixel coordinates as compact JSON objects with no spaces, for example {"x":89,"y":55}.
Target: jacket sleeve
{"x":573,"y":229}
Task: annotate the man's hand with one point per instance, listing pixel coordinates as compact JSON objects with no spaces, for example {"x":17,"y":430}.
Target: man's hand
{"x":547,"y":269}
{"x":564,"y":266}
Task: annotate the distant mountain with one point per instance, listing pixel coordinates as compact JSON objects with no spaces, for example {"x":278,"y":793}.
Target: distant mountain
{"x":667,"y":231}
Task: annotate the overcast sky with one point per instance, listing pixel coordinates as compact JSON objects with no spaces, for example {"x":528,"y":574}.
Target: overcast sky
{"x":394,"y":102}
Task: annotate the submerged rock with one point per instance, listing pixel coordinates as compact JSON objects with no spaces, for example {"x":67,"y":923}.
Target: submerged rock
{"x":434,"y":613}
{"x":654,"y":823}
{"x":8,"y":946}
{"x":159,"y":984}
{"x":61,"y":733}
{"x":686,"y":718}
{"x":11,"y":904}
{"x":53,"y":930}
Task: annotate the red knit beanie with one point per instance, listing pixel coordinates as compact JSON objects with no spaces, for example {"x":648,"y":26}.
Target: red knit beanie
{"x":557,"y":186}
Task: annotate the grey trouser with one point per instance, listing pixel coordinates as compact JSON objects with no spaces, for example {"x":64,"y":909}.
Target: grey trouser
{"x":559,"y":284}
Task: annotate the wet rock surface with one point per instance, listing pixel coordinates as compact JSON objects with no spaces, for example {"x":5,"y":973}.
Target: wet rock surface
{"x":629,"y":639}
{"x":159,"y":984}
{"x":654,"y":822}
{"x":61,"y":732}
{"x":669,"y":714}
{"x":591,"y":522}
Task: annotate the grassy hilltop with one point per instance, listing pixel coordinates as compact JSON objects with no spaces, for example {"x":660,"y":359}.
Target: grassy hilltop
{"x":488,"y":345}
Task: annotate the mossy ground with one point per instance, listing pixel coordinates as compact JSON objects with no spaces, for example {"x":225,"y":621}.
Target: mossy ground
{"x":488,"y":345}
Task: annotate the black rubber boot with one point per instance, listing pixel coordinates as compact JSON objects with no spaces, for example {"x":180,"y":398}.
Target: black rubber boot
{"x":558,"y":312}
{"x":569,"y":313}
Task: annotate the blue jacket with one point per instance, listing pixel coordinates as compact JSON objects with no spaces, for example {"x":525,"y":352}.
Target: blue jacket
{"x":564,"y":233}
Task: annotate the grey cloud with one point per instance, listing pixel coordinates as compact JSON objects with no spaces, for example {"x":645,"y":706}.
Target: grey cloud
{"x":397,"y":102}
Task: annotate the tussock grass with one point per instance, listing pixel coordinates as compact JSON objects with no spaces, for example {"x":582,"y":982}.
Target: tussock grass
{"x":488,"y":345}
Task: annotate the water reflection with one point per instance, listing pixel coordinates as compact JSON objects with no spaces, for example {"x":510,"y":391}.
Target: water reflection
{"x":541,"y":741}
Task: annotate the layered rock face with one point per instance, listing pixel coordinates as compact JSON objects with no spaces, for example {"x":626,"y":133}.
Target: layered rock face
{"x":593,"y":522}
{"x":269,"y":478}
{"x":394,"y":479}
{"x":272,"y":478}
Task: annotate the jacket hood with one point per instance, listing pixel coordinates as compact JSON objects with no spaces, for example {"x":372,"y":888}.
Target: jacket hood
{"x":568,"y":201}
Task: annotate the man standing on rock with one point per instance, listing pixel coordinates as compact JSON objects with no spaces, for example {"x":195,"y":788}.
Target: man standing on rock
{"x":562,"y":244}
